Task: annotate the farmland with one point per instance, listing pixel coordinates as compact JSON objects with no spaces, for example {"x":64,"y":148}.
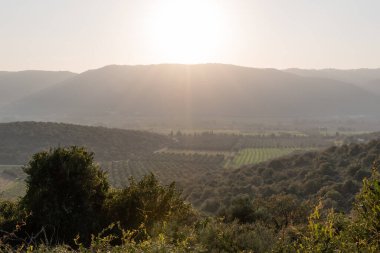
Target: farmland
{"x":187,"y":158}
{"x":209,"y":141}
{"x":257,"y":155}
{"x":167,"y":167}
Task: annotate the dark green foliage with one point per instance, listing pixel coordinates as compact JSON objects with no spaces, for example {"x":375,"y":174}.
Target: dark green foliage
{"x":10,"y":214}
{"x":264,"y":208}
{"x":277,"y":212}
{"x":20,"y":140}
{"x":241,"y":209}
{"x":65,"y":193}
{"x":68,"y":196}
{"x":235,"y":142}
{"x":334,"y":174}
{"x":217,"y":236}
{"x":145,"y":202}
{"x":334,"y":232}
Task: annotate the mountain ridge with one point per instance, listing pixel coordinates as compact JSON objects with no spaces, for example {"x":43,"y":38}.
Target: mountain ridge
{"x":190,"y":91}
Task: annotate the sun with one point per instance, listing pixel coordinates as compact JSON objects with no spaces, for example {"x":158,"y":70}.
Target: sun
{"x":186,"y":31}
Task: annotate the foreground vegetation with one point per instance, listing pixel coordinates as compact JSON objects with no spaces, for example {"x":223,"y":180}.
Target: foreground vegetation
{"x":69,"y":207}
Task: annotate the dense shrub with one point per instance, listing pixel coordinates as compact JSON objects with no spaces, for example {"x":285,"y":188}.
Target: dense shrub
{"x":145,"y":202}
{"x":68,"y":200}
{"x":335,"y":232}
{"x":65,"y":194}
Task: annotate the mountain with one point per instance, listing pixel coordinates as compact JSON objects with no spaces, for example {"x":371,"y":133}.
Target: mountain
{"x":16,"y":85}
{"x":373,"y":85}
{"x":20,"y":140}
{"x":192,"y":91}
{"x":365,"y":78}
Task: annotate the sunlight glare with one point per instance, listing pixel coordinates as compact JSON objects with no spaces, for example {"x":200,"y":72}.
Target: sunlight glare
{"x":186,"y":31}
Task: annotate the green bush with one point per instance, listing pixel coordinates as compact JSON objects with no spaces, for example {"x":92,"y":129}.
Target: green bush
{"x":334,"y":232}
{"x":65,"y":194}
{"x":145,"y":202}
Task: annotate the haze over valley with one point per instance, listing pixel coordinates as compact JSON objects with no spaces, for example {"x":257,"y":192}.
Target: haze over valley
{"x":197,"y":126}
{"x":120,"y":96}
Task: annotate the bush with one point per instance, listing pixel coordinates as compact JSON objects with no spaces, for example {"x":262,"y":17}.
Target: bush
{"x":65,"y":194}
{"x":145,"y":202}
{"x":217,"y":236}
{"x":358,"y":232}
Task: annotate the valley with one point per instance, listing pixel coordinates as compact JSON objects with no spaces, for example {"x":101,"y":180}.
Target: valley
{"x":198,"y":162}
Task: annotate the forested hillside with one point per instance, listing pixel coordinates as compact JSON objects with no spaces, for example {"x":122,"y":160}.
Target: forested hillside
{"x":19,"y":140}
{"x":334,"y":174}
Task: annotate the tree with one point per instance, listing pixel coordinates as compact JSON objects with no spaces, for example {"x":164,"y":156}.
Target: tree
{"x":365,"y":229}
{"x":357,"y":232}
{"x":65,"y":194}
{"x":146,"y":202}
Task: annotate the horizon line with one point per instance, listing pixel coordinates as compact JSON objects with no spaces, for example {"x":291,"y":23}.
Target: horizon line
{"x":191,"y":64}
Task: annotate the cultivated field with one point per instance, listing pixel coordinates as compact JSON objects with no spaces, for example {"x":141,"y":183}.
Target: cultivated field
{"x":168,"y":167}
{"x":257,"y":155}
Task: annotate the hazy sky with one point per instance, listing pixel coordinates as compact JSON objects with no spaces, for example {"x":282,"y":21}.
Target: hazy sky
{"x":78,"y":35}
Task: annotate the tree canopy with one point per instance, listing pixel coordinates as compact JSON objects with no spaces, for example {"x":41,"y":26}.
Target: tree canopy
{"x":65,"y":192}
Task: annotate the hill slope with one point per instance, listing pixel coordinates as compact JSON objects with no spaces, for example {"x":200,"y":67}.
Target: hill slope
{"x":190,"y":91}
{"x":20,"y":140}
{"x":365,"y":78}
{"x":334,"y":174}
{"x":16,"y":85}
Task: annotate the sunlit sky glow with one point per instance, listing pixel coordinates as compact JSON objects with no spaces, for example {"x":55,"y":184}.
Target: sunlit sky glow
{"x":79,"y":35}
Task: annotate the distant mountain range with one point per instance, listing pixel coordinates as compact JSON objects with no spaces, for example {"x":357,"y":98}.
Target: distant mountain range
{"x":188,"y":91}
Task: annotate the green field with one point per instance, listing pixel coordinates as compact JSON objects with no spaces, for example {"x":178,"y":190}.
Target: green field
{"x":243,"y":157}
{"x":257,"y":155}
{"x":192,"y":152}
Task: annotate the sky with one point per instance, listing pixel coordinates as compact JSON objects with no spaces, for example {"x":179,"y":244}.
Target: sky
{"x":78,"y":35}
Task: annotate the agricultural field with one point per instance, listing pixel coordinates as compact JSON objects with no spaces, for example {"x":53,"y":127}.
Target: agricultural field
{"x":209,"y":141}
{"x":192,"y":152}
{"x":257,"y":155}
{"x":198,"y":131}
{"x":168,"y":167}
{"x":187,"y":158}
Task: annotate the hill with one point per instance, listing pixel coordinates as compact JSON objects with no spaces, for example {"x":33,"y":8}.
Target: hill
{"x":116,"y":93}
{"x":17,"y":85}
{"x":334,"y":174}
{"x":364,"y":78}
{"x":19,"y":140}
